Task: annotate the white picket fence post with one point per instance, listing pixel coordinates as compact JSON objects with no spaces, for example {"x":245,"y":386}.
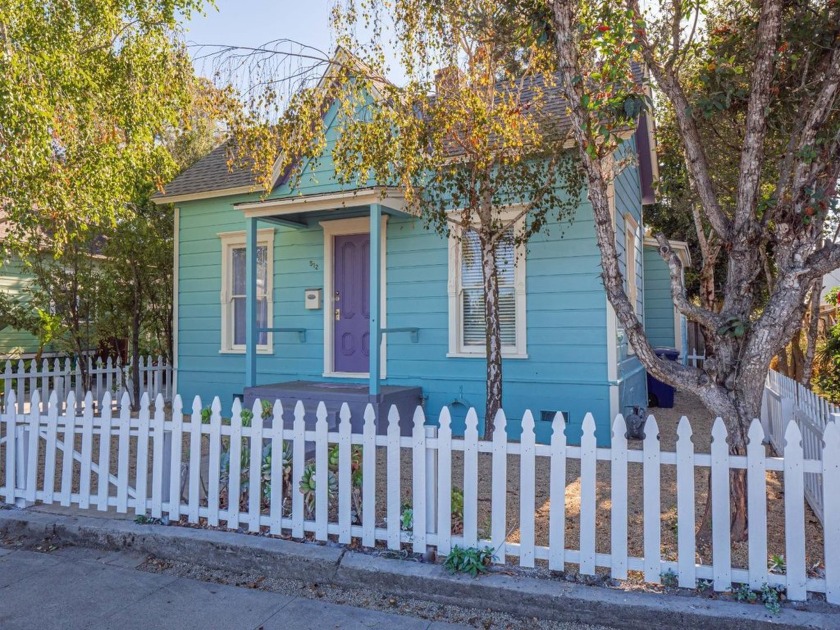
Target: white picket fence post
{"x":206,"y":470}
{"x":830,"y":474}
{"x":686,"y":538}
{"x":431,"y":481}
{"x":418,"y":478}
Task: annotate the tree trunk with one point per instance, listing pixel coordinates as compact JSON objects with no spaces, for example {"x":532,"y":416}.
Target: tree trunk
{"x":493,"y":333}
{"x":812,"y":332}
{"x":707,"y":285}
{"x":784,"y":366}
{"x":797,"y":357}
{"x":135,"y":343}
{"x":738,"y":408}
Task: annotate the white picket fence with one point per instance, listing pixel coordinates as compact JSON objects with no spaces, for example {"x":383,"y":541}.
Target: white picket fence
{"x":786,"y":400}
{"x":170,"y":474}
{"x":65,"y":375}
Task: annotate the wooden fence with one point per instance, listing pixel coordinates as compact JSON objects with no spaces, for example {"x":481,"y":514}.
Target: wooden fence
{"x":65,"y":375}
{"x":786,"y":400}
{"x":254,"y":468}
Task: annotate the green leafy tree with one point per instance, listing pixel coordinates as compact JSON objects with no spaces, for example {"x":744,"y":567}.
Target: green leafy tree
{"x":61,"y":303}
{"x":86,"y":89}
{"x":137,"y":281}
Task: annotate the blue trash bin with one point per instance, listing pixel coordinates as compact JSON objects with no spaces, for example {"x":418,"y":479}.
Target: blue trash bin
{"x":661,"y":394}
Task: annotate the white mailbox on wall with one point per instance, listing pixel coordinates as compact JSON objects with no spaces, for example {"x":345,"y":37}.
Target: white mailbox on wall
{"x":312,"y":299}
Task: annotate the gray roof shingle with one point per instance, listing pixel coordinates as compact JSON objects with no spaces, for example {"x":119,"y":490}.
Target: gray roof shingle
{"x":208,"y":174}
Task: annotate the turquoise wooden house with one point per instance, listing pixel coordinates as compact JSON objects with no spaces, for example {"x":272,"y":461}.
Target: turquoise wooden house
{"x":336,"y":294}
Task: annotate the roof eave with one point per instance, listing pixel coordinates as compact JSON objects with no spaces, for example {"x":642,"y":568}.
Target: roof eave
{"x":206,"y":194}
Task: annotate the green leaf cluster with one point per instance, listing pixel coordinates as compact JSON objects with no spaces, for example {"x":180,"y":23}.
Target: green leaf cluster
{"x":470,"y":560}
{"x":87,"y":90}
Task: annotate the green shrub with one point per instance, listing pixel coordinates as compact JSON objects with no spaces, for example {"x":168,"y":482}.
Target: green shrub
{"x":772,"y":597}
{"x":469,"y":560}
{"x":669,"y":579}
{"x":745,"y":594}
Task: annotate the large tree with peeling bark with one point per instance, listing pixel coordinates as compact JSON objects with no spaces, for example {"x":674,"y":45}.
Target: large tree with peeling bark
{"x":770,"y":223}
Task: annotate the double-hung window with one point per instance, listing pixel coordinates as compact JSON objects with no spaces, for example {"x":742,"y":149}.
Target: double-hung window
{"x":467,"y":332}
{"x":233,"y":295}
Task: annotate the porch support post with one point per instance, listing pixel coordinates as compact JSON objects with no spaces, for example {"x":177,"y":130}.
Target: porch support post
{"x":375,"y":290}
{"x":250,"y":302}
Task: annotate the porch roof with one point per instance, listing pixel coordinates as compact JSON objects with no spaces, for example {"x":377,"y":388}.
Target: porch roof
{"x":300,"y":209}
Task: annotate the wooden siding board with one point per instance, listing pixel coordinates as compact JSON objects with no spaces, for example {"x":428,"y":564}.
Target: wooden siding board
{"x":632,"y":381}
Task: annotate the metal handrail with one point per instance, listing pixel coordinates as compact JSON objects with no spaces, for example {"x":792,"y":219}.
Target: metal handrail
{"x":415,"y":332}
{"x":300,"y":331}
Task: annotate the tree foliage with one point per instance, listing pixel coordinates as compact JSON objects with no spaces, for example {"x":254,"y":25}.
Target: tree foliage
{"x":86,"y":89}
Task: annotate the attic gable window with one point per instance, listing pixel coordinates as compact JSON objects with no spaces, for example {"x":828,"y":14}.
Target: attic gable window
{"x":467,"y":336}
{"x":233,"y":295}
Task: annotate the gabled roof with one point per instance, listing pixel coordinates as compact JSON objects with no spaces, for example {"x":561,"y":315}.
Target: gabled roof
{"x":211,"y":176}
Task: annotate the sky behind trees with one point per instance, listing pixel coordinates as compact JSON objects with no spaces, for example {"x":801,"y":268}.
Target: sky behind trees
{"x":255,"y":22}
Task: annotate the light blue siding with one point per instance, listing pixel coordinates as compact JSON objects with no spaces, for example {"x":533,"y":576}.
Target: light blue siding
{"x":659,"y":307}
{"x":631,"y":375}
{"x":565,"y":369}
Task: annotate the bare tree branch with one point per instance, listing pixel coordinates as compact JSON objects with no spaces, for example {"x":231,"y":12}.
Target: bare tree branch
{"x":752,"y":153}
{"x":568,"y":68}
{"x":707,"y":318}
{"x":695,"y":156}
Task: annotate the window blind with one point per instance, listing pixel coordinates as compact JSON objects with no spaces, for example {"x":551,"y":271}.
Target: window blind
{"x":472,"y":290}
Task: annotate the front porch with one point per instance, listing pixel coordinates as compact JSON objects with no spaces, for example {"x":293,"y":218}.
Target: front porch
{"x":352,"y":298}
{"x":333,"y":395}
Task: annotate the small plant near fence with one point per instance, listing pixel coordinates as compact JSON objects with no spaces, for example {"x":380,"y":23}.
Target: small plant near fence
{"x":745,"y":594}
{"x":457,"y":512}
{"x":469,"y":560}
{"x":771,"y":596}
{"x":265,"y":471}
{"x":669,"y":579}
{"x":777,"y":564}
{"x":307,"y":482}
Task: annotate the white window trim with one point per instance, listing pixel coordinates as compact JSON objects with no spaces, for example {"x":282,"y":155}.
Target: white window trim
{"x":456,"y":347}
{"x":631,"y":230}
{"x":230,"y":241}
{"x":345,"y":227}
{"x":631,"y":257}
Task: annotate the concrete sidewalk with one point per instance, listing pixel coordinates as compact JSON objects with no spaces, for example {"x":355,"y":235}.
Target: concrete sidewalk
{"x":75,"y":587}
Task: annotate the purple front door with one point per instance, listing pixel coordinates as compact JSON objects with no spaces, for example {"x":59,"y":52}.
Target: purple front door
{"x":351,"y":316}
